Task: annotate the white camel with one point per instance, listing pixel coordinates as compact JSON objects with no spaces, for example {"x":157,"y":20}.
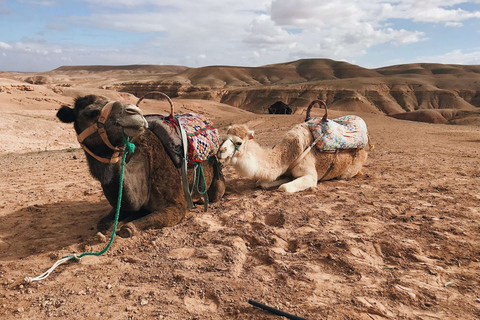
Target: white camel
{"x":294,"y":157}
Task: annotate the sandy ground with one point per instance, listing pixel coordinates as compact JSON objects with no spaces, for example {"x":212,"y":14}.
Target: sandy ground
{"x":402,"y":241}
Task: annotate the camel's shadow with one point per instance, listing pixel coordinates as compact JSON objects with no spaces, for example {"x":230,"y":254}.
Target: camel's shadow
{"x":49,"y":228}
{"x":239,"y":186}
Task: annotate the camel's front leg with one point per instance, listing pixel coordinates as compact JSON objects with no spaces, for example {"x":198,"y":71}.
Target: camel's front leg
{"x":299,"y":184}
{"x":164,"y":217}
{"x":105,"y":225}
{"x":271,"y":184}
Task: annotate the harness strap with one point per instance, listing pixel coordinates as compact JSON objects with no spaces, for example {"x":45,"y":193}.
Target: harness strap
{"x":201,"y":179}
{"x":183,"y":166}
{"x":87,"y":132}
{"x":305,"y":152}
{"x":99,"y":127}
{"x":235,"y":146}
{"x":101,"y":124}
{"x":332,"y":164}
{"x":113,"y":159}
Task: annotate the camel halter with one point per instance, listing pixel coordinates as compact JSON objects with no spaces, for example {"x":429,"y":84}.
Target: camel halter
{"x":234,"y":145}
{"x":99,"y":127}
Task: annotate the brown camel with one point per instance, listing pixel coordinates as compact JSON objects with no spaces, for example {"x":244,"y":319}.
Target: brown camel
{"x":152,"y":191}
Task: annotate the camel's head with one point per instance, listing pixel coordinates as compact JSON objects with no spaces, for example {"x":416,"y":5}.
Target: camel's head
{"x":232,"y":146}
{"x":92,"y":115}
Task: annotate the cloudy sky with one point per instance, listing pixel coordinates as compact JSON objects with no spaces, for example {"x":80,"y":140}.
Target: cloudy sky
{"x":41,"y":35}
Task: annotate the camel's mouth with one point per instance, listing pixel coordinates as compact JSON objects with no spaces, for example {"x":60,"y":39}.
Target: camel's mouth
{"x":134,"y":128}
{"x":133,"y":131}
{"x":226,"y":151}
{"x":225,"y":160}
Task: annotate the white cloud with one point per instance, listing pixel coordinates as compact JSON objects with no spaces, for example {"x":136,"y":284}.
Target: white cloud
{"x":453,"y":24}
{"x":248,"y":32}
{"x":347,"y":29}
{"x":263,"y":31}
{"x":45,"y":3}
{"x":453,"y":57}
{"x":133,"y":22}
{"x":5,"y":46}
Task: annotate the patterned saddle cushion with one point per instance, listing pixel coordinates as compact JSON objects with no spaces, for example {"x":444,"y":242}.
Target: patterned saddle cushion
{"x":203,"y":137}
{"x":348,"y":132}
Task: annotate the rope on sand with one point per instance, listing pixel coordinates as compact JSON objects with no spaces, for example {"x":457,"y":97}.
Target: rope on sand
{"x":129,"y":147}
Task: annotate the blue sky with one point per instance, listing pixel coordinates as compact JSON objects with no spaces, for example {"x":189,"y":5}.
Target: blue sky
{"x":41,"y":35}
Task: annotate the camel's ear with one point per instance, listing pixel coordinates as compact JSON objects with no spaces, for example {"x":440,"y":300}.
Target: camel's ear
{"x":65,"y":114}
{"x":250,"y":134}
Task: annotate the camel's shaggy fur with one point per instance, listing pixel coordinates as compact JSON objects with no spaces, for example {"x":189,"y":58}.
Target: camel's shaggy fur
{"x":152,"y":190}
{"x":268,"y":165}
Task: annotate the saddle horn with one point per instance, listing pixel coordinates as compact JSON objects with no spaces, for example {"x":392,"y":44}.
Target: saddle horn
{"x":320,"y":104}
{"x":162,"y":94}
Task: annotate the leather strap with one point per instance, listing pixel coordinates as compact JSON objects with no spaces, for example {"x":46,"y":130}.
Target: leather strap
{"x":99,"y":127}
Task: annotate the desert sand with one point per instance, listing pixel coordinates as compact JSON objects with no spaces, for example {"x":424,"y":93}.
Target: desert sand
{"x":400,"y":241}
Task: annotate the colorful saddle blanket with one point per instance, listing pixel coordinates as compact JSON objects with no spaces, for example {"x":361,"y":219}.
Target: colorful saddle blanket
{"x":203,"y":138}
{"x":348,"y":132}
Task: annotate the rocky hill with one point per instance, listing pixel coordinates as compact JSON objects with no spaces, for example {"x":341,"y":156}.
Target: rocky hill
{"x":404,"y":91}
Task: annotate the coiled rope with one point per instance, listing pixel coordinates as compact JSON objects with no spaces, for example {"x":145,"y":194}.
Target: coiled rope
{"x":129,"y":147}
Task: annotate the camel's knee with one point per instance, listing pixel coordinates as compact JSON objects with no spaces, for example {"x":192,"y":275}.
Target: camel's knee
{"x":105,"y":225}
{"x":217,"y":189}
{"x":299,"y":184}
{"x":167,"y":217}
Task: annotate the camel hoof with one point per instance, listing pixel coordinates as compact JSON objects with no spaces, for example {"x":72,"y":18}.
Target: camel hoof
{"x":126,"y":231}
{"x":286,"y":188}
{"x":259,"y":183}
{"x":265,"y":185}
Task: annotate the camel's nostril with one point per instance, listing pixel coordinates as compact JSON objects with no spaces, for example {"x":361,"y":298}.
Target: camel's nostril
{"x":131,"y":109}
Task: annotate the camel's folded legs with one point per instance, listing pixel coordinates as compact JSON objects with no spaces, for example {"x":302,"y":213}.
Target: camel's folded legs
{"x":105,"y":225}
{"x":271,"y":184}
{"x":166,"y":217}
{"x":299,"y":184}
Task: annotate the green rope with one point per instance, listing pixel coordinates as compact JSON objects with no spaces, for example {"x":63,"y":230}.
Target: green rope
{"x":129,"y":147}
{"x":201,"y":175}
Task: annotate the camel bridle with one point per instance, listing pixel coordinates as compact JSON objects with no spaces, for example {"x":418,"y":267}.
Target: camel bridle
{"x":234,"y":145}
{"x":99,"y":127}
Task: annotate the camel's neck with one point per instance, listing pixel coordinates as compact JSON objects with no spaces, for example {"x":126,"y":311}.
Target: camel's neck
{"x":259,"y":163}
{"x":104,"y":172}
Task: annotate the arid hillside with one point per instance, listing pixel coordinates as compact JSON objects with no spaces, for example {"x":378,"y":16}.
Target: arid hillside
{"x":403,"y":91}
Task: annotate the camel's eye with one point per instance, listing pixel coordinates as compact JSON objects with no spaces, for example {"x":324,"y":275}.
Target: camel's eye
{"x":238,"y":143}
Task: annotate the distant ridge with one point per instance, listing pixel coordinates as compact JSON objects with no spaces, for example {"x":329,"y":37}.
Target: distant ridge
{"x":390,"y":90}
{"x":148,"y":68}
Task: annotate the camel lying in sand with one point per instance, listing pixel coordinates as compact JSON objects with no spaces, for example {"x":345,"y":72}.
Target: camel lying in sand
{"x":152,"y":188}
{"x":284,"y":161}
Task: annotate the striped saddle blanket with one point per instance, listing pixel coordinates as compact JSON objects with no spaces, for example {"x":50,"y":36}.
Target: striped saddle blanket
{"x":203,"y":138}
{"x":348,"y":132}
